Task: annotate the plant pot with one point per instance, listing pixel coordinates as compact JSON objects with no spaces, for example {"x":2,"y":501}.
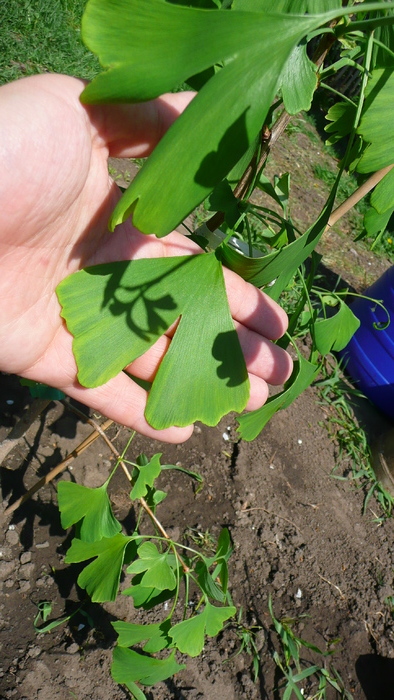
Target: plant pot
{"x":369,"y":357}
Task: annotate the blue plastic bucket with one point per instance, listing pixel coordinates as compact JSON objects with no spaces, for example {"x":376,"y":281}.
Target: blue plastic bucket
{"x":369,"y":357}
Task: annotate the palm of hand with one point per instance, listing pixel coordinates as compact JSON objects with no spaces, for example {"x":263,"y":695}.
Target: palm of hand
{"x":55,"y":202}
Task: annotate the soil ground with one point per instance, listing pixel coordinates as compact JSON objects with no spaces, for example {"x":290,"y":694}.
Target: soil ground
{"x":299,"y":535}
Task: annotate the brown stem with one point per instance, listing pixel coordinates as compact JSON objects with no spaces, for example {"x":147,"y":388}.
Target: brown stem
{"x":366,"y":187}
{"x":269,"y":138}
{"x":60,"y":467}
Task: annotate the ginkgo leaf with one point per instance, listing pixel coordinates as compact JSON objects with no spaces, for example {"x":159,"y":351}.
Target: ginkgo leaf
{"x":251,"y":424}
{"x":101,"y":577}
{"x":377,"y":125}
{"x":382,"y":198}
{"x":341,"y":117}
{"x":298,"y":80}
{"x":147,"y":473}
{"x":151,"y":47}
{"x":158,"y":567}
{"x":129,"y":666}
{"x":278,"y":265}
{"x":92,"y":506}
{"x":189,"y":635}
{"x":335,"y":332}
{"x":155,"y":634}
{"x":131,"y":304}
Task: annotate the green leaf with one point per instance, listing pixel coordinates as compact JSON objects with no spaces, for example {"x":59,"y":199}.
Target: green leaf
{"x":377,"y":126}
{"x":382,"y":198}
{"x":251,"y":424}
{"x":92,"y":506}
{"x":131,"y":634}
{"x":189,"y":635}
{"x":152,"y":47}
{"x":136,"y":692}
{"x":129,"y":666}
{"x":159,"y":568}
{"x":207,"y":584}
{"x":298,"y":81}
{"x":147,"y":474}
{"x":295,"y":6}
{"x":223,"y":199}
{"x":376,"y":223}
{"x":131,"y":304}
{"x":342,"y":116}
{"x":282,"y":264}
{"x":334,"y":333}
{"x":101,"y":577}
{"x":146,"y":598}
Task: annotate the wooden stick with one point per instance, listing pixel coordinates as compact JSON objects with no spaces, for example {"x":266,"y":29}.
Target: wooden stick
{"x":57,"y":470}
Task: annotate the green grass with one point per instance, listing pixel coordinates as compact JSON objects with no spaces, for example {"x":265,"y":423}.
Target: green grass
{"x":39,"y":36}
{"x":354,"y":451}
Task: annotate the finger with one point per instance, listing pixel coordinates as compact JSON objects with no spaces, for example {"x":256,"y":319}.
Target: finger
{"x":263,"y":359}
{"x":124,"y":401}
{"x":258,"y":393}
{"x":253,"y":308}
{"x":120,"y":398}
{"x":133,"y":130}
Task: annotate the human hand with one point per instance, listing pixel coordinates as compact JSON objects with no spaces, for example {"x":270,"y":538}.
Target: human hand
{"x":56,"y":198}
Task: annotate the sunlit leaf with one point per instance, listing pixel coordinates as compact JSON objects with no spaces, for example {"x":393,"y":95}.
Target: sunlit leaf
{"x":377,"y":124}
{"x":101,"y":577}
{"x":251,"y":424}
{"x":92,"y":506}
{"x":207,"y":583}
{"x":382,"y":198}
{"x":280,"y":265}
{"x":151,"y":47}
{"x":131,"y":304}
{"x":147,"y":473}
{"x":374,"y":222}
{"x":298,"y":81}
{"x":129,"y":666}
{"x":156,"y":635}
{"x":341,"y":117}
{"x":335,"y":332}
{"x":146,"y":598}
{"x":158,"y":567}
{"x":189,"y":635}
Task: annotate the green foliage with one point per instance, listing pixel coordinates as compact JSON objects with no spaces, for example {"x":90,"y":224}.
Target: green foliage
{"x":315,"y":678}
{"x":150,"y":52}
{"x":136,"y":302}
{"x":91,"y":506}
{"x":189,"y":635}
{"x":158,"y":566}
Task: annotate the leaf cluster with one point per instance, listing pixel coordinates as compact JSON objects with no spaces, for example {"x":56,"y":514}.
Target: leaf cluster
{"x":158,"y":567}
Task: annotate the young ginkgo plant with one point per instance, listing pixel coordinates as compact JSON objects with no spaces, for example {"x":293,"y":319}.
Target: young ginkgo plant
{"x":253,"y":70}
{"x":159,"y":569}
{"x":254,"y":65}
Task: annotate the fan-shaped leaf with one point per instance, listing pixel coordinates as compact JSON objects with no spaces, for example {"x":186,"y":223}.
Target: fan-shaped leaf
{"x":92,"y":506}
{"x":131,"y":304}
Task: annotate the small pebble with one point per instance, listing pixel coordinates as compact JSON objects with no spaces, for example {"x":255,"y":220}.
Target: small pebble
{"x":25,"y":558}
{"x":42,"y":545}
{"x":73,"y":648}
{"x":12,"y":537}
{"x":10,"y":402}
{"x":24,"y":586}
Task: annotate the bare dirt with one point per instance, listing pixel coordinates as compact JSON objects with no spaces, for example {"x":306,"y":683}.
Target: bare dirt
{"x":299,"y":534}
